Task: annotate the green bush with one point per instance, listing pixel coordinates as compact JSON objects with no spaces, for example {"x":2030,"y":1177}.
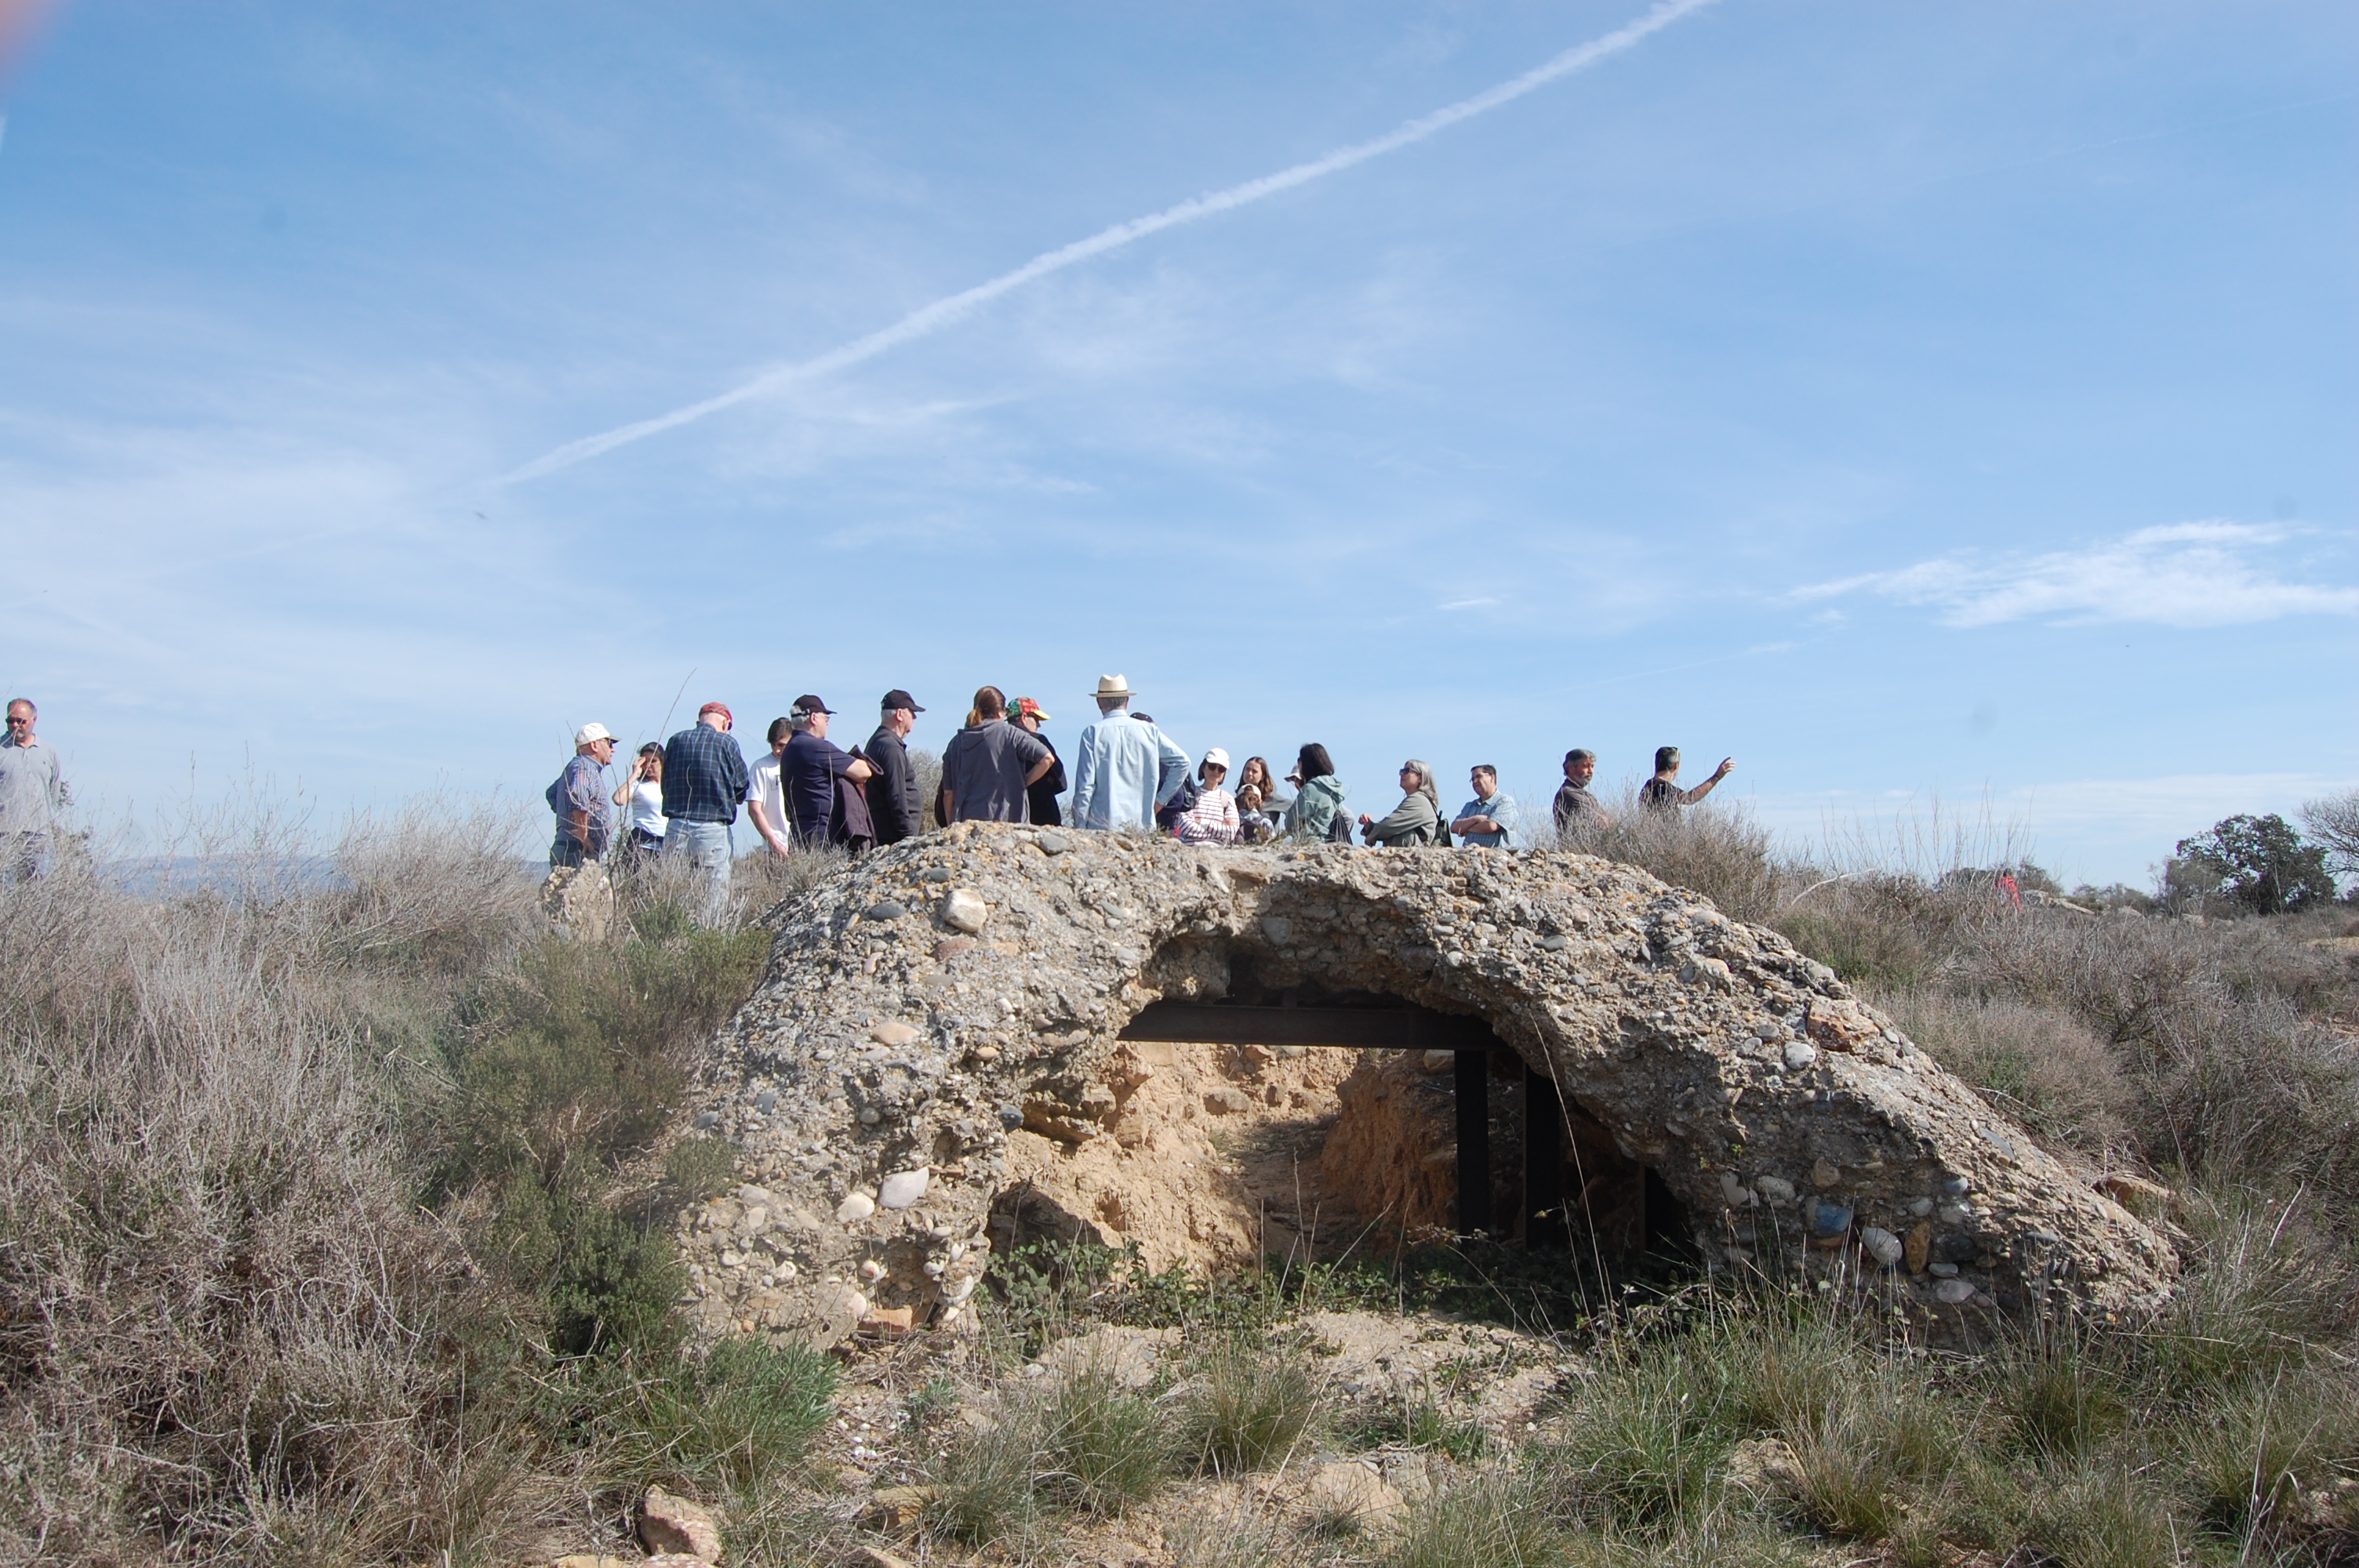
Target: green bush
{"x":1489,"y":1519}
{"x":1247,"y":1407}
{"x":699,"y":1167}
{"x":743,"y":1415}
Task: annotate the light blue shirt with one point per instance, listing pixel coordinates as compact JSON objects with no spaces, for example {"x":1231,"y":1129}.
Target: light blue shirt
{"x":1500,"y":808}
{"x":1122,"y":769}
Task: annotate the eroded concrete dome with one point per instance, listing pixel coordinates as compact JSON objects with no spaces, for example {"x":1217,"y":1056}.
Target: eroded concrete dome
{"x":941,"y":993}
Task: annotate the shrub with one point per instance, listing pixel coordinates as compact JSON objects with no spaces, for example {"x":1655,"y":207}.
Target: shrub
{"x":2041,"y":1065}
{"x":1644,"y":1449}
{"x":1489,"y":1519}
{"x":1717,"y":851}
{"x":746,"y":1413}
{"x":1247,"y":1407}
{"x":1084,"y":1443}
{"x":1107,"y":1449}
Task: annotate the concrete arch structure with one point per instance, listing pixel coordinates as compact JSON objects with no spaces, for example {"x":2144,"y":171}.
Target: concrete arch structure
{"x":942,"y":993}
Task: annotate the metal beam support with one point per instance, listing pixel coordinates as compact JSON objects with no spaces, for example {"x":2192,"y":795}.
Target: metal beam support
{"x":1543,"y":1164}
{"x":1357,"y":1028}
{"x":1473,"y":1077}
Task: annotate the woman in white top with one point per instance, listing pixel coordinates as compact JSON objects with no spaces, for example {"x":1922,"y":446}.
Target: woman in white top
{"x":641,"y":798}
{"x":1214,"y":818}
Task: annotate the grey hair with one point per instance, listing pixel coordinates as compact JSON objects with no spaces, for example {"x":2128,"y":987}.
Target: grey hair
{"x":1424,"y":781}
{"x":799,"y":721}
{"x":1113,"y":704}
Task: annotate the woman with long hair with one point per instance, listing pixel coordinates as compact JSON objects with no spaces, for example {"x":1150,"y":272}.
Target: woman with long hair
{"x":1320,"y":793}
{"x":1415,"y":820}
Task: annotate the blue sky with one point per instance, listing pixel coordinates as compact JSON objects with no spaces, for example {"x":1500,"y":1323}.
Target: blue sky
{"x":1915,"y":402}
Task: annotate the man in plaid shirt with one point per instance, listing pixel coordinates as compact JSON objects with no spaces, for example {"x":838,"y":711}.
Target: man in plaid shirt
{"x":704,"y":781}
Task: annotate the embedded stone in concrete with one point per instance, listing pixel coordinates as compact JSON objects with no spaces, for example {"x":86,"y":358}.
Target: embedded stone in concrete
{"x":1575,"y":963}
{"x":901,"y":1189}
{"x":963,"y":910}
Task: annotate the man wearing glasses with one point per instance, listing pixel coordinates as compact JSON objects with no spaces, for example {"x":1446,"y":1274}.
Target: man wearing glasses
{"x":32,"y":797}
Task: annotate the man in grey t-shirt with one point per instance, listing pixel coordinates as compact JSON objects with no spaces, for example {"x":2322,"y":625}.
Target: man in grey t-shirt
{"x":32,"y":796}
{"x":986,"y":767}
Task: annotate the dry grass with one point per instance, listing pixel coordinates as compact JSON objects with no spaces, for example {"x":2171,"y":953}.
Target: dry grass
{"x":308,"y":1168}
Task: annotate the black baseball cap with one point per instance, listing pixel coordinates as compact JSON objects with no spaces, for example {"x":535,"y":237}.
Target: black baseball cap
{"x":896,"y":698}
{"x":807,"y":704}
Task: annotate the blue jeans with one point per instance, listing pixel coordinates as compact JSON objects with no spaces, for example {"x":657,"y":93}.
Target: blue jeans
{"x":707,"y":847}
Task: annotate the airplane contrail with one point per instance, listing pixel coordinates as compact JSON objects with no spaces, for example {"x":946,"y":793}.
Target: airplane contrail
{"x":930,"y":319}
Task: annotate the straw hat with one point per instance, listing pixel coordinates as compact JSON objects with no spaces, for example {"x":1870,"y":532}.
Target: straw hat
{"x":1115,"y":685}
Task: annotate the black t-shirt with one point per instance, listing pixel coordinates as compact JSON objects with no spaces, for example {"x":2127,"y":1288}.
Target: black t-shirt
{"x":1655,"y":795}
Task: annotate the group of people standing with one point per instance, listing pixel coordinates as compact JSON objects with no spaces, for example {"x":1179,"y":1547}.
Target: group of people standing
{"x":682,"y":797}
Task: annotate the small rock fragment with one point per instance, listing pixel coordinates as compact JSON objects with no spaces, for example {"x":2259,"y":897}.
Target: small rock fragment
{"x":1952,"y":1293}
{"x":1278,"y":929}
{"x":1918,"y":1247}
{"x":949,"y":947}
{"x":1800,"y":1055}
{"x":2148,"y":1200}
{"x":892,"y":1323}
{"x":901,"y":1189}
{"x":1823,"y":1176}
{"x":854,"y":1209}
{"x":1881,"y":1244}
{"x":1775,"y":1189}
{"x":885,"y":909}
{"x":897,"y":1509}
{"x":1054,"y":843}
{"x":963,"y":910}
{"x":668,"y":1523}
{"x":1440,"y":1061}
{"x":894,"y":1033}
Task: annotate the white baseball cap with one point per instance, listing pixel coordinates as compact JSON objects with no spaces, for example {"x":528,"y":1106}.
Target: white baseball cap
{"x":590,"y":732}
{"x":1216,"y":758}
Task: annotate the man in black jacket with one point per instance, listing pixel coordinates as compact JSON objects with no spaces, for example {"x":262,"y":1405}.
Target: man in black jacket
{"x":892,"y":788}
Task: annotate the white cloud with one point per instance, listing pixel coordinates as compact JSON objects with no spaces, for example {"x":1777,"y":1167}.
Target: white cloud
{"x":1468,"y":604}
{"x":2183,"y":574}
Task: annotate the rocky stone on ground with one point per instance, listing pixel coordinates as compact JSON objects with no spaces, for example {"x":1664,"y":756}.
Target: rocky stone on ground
{"x":866,"y":1053}
{"x":579,"y":901}
{"x":674,"y":1526}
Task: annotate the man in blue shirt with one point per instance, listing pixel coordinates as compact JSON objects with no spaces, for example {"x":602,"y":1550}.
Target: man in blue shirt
{"x":812,"y":764}
{"x":703,"y":783}
{"x":1491,"y":820}
{"x":1122,"y":767}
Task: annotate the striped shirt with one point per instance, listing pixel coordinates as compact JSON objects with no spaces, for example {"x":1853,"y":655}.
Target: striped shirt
{"x":1211,"y":820}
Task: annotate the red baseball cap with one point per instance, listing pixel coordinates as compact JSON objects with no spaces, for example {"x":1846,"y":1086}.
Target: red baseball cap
{"x":719,"y":708}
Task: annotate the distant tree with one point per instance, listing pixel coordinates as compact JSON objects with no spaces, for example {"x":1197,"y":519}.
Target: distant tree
{"x":2333,"y":825}
{"x":2032,"y":878}
{"x":2257,"y":863}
